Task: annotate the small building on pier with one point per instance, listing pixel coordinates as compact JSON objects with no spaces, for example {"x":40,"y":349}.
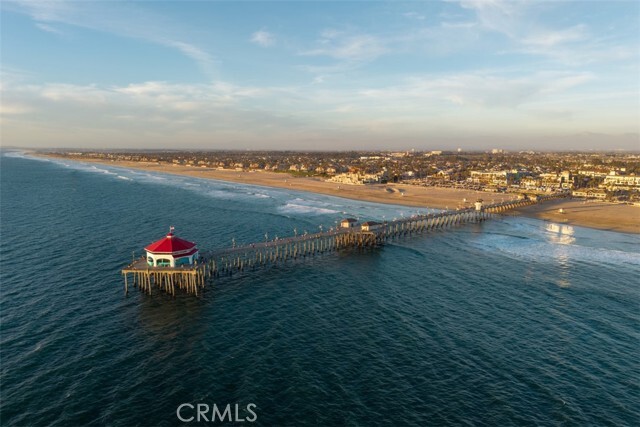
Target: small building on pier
{"x":348,"y":223}
{"x":371,"y":226}
{"x":171,"y":251}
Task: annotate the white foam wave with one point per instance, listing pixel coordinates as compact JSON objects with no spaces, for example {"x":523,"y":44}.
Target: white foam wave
{"x":217,"y":194}
{"x":24,"y":155}
{"x":156,"y":177}
{"x":305,"y":209}
{"x":100,"y":170}
{"x":555,"y":249}
{"x":124,"y":178}
{"x":75,"y":165}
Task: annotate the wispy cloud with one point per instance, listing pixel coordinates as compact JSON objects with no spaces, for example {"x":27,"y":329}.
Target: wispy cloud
{"x":224,"y":111}
{"x":478,"y":90}
{"x":414,"y":15}
{"x":121,"y":19}
{"x":59,"y":92}
{"x":195,"y":112}
{"x":571,"y":45}
{"x":263,"y":38}
{"x":415,"y":95}
{"x":44,"y":10}
{"x":528,"y":33}
{"x":349,"y":47}
{"x":161,"y":96}
{"x":504,"y":16}
{"x":204,"y":59}
{"x":11,"y":109}
{"x":551,"y":38}
{"x":48,"y":28}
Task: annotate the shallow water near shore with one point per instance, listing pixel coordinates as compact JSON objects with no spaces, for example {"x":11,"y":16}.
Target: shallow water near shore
{"x":512,"y":321}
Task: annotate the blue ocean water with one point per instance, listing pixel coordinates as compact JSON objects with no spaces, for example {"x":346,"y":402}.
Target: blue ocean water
{"x":509,"y":322}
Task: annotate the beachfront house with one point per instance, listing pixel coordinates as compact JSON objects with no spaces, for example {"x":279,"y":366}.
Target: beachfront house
{"x":621,"y":182}
{"x":171,"y":251}
{"x":590,"y":194}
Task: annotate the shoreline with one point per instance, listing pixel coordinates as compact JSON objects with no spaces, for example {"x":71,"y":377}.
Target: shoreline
{"x":394,"y":194}
{"x":587,"y":213}
{"x":591,"y":214}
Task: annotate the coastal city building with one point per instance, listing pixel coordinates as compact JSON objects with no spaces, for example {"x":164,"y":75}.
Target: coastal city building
{"x":358,"y":178}
{"x":556,"y":181}
{"x":621,"y":182}
{"x":590,"y":194}
{"x":496,"y":178}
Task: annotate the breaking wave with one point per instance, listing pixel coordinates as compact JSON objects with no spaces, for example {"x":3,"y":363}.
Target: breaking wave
{"x":306,"y":209}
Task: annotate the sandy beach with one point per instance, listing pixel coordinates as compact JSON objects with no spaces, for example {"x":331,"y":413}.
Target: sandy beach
{"x":593,"y":214}
{"x":397,"y":194}
{"x":599,"y":215}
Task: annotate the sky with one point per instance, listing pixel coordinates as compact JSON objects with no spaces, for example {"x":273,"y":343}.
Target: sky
{"x":364,"y":75}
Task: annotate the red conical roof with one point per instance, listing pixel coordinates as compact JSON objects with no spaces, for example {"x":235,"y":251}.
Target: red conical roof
{"x":169,"y":245}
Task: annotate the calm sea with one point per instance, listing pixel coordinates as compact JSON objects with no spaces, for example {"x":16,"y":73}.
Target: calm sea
{"x":511,"y":322}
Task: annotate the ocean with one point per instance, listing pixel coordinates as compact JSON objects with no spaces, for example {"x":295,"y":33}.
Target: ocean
{"x":513,"y":321}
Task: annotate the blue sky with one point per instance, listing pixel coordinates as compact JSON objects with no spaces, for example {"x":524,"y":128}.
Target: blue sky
{"x":321,"y":75}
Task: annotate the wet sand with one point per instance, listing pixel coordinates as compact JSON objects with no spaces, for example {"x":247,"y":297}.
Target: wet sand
{"x":593,"y":214}
{"x":600,"y":215}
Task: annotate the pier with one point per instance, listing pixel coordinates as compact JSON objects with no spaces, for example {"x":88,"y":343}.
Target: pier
{"x":192,"y":278}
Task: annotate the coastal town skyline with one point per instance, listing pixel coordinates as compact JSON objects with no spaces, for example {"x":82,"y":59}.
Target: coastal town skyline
{"x":306,"y":75}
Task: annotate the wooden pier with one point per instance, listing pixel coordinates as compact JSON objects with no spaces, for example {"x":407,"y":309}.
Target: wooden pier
{"x":192,"y":278}
{"x":188,"y":278}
